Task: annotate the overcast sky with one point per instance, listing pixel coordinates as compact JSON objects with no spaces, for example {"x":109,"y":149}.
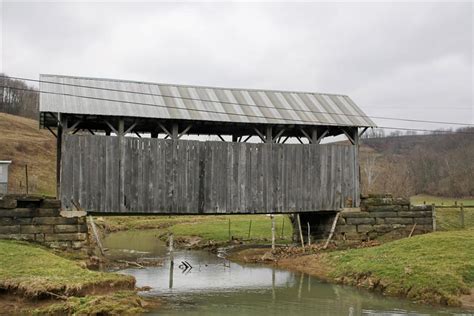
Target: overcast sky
{"x":410,"y":60}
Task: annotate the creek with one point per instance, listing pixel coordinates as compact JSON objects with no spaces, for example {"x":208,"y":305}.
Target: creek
{"x":215,"y":286}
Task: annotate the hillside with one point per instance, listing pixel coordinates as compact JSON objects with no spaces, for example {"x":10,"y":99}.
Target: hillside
{"x":407,"y":165}
{"x":24,"y":143}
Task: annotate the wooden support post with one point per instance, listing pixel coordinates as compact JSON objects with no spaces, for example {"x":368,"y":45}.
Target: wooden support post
{"x":170,"y":243}
{"x":333,"y":228}
{"x":250,"y":229}
{"x":314,"y":136}
{"x":356,"y":136}
{"x":268,"y":135}
{"x":273,"y":231}
{"x":121,"y":136}
{"x":433,"y":212}
{"x":412,"y":230}
{"x":300,"y":230}
{"x":58,"y":157}
{"x":154,"y":134}
{"x":309,"y":234}
{"x":235,"y":139}
{"x":96,"y":235}
{"x":230,"y":236}
{"x":461,"y":214}
{"x":175,"y":131}
{"x":59,"y":140}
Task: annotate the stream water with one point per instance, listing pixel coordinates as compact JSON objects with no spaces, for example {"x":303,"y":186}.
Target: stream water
{"x":216,"y":286}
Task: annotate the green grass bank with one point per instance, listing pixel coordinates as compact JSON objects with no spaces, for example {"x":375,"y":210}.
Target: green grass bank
{"x":435,"y":268}
{"x":34,"y":274}
{"x":210,"y":228}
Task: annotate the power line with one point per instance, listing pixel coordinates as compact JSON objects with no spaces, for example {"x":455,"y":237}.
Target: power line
{"x":217,"y":112}
{"x":237,"y":103}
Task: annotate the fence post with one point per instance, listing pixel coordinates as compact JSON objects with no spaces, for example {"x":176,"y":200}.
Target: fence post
{"x":273,"y":231}
{"x":250,"y":228}
{"x":26,"y":175}
{"x":462,"y":215}
{"x":230,"y":237}
{"x":433,"y":212}
{"x":282,"y":227}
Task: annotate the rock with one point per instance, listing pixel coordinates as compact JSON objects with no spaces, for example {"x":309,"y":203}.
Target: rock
{"x":358,"y":221}
{"x":7,"y":203}
{"x":268,"y":256}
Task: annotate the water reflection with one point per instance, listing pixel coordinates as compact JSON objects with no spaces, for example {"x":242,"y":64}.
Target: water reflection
{"x":208,"y":273}
{"x":215,"y":286}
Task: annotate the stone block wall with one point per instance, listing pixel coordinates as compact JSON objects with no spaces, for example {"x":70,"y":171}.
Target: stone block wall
{"x":40,"y":220}
{"x":379,"y":216}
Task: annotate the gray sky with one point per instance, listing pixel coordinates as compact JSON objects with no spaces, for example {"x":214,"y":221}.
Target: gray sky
{"x":411,"y":60}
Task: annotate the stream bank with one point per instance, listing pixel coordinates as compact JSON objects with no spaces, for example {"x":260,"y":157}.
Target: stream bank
{"x":34,"y":280}
{"x":435,"y":268}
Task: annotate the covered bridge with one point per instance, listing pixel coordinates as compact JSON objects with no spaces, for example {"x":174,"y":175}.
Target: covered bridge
{"x":139,"y":147}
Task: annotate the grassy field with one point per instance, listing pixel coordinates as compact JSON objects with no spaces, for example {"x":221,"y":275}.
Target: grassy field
{"x":434,"y":268}
{"x":215,"y":228}
{"x":33,"y":272}
{"x":438,"y":200}
{"x":24,"y":143}
{"x":448,"y":218}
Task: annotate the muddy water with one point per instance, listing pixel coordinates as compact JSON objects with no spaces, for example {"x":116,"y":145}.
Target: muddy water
{"x":215,"y":286}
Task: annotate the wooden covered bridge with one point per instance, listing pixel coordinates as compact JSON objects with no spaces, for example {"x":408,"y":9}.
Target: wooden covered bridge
{"x":147,"y":148}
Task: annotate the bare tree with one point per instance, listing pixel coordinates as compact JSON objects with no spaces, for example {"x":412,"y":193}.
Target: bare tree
{"x":17,"y":98}
{"x":370,"y":170}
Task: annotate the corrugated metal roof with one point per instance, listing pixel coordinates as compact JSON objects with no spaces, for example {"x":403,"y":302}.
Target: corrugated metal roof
{"x":95,"y":96}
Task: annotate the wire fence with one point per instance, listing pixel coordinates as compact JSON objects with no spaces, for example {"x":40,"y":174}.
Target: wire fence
{"x":454,"y":217}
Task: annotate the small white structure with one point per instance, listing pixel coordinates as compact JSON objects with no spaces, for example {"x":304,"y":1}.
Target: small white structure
{"x":4,"y":164}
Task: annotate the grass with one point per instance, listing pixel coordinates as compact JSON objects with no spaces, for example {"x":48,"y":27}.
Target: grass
{"x":118,"y":303}
{"x":436,"y":267}
{"x":217,"y":227}
{"x":439,"y":200}
{"x":211,"y":227}
{"x":35,"y":272}
{"x":448,"y":219}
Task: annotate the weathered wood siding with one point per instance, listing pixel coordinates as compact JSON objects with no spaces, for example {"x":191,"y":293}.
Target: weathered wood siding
{"x":193,"y":177}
